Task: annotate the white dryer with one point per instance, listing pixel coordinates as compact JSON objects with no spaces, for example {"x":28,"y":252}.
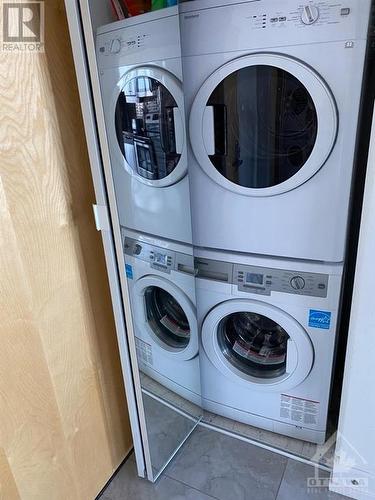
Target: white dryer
{"x":273,"y":93}
{"x":139,"y":61}
{"x":268,"y":329}
{"x":162,"y":295}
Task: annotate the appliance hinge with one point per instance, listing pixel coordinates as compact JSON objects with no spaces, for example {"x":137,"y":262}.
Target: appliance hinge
{"x":101,"y":217}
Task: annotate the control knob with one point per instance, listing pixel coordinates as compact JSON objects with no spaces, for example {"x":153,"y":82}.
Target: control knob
{"x":310,"y":14}
{"x":137,"y":249}
{"x":297,"y":282}
{"x":115,"y":46}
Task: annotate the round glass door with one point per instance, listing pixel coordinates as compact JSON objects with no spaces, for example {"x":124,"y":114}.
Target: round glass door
{"x":263,"y":124}
{"x":166,"y":318}
{"x":149,"y":126}
{"x":254,"y":344}
{"x":257,"y":344}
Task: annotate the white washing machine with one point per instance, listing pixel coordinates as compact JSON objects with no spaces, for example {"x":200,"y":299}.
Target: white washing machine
{"x":139,"y":61}
{"x":162,"y":295}
{"x":268,"y":329}
{"x":273,"y":93}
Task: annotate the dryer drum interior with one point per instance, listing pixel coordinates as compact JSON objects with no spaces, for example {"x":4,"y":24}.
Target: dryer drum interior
{"x":254,"y":344}
{"x":167,"y":318}
{"x":145,"y":127}
{"x":265,"y":126}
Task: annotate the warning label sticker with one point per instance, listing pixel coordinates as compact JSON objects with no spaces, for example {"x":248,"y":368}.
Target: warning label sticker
{"x":144,"y":351}
{"x":299,"y":411}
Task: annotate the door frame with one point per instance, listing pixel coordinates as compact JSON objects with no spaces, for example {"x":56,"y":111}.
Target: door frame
{"x":83,"y":47}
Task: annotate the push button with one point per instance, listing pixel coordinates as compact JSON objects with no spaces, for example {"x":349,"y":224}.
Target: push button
{"x":345,"y":11}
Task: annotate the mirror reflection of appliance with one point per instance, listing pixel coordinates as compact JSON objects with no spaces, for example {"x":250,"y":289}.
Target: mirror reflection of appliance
{"x":169,"y":129}
{"x":268,"y":330}
{"x":161,"y":285}
{"x":137,"y":126}
{"x":143,"y":103}
{"x":270,"y":146}
{"x":162,"y":297}
{"x":146,"y":162}
{"x":146,"y":111}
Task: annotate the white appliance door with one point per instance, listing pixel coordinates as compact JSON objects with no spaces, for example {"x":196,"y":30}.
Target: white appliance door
{"x":254,"y":343}
{"x":263,"y":124}
{"x":148,"y":126}
{"x":167,"y":315}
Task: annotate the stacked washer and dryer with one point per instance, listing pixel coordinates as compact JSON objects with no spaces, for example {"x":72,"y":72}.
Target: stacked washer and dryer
{"x":272,"y":96}
{"x":139,"y":62}
{"x":272,"y":92}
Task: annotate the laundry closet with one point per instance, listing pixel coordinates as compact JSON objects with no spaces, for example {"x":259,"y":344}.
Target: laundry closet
{"x":229,"y":143}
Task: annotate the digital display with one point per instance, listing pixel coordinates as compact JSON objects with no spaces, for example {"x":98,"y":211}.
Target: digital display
{"x":160,"y":258}
{"x":254,"y":278}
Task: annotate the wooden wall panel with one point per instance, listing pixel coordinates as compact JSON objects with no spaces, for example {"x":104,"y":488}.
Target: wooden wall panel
{"x":63,"y":422}
{"x":8,"y":488}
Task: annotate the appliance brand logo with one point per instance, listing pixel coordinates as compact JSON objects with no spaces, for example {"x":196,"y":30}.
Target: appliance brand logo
{"x":320,"y":319}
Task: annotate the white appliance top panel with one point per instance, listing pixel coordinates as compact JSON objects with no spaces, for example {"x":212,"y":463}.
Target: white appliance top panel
{"x":156,"y":40}
{"x":270,"y":23}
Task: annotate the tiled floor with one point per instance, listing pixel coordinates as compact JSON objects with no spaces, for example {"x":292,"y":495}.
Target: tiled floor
{"x":166,"y":429}
{"x":212,"y":465}
{"x":322,"y":454}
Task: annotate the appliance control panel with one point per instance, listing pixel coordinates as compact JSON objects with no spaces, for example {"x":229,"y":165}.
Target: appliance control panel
{"x":266,"y":280}
{"x":143,"y":43}
{"x":261,"y":280}
{"x":159,"y":258}
{"x":271,"y":24}
{"x":125,"y":44}
{"x":302,"y":15}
